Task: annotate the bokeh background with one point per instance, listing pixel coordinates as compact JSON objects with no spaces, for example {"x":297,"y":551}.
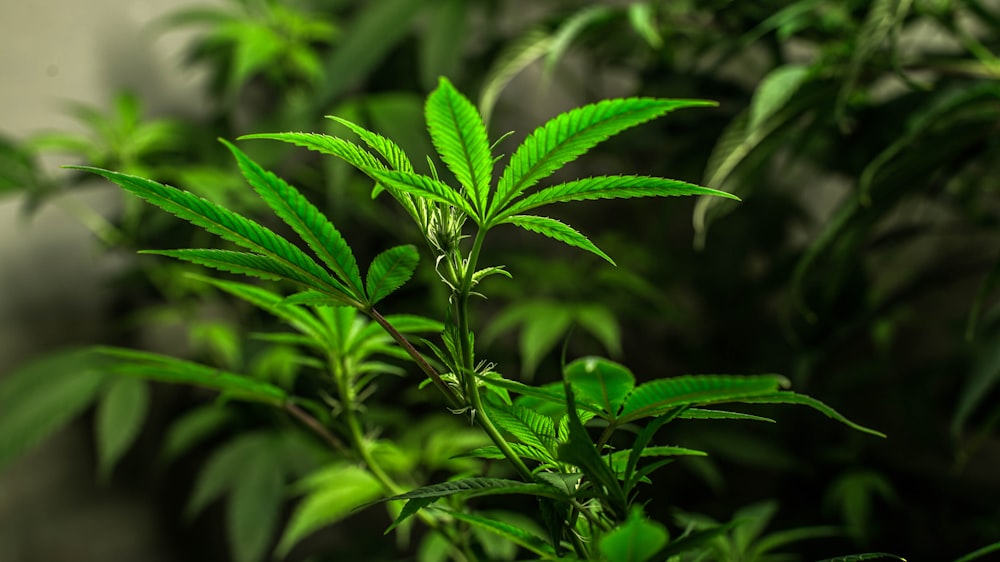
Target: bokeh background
{"x":863,"y":263}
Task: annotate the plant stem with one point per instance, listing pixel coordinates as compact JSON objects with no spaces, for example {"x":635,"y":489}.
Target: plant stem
{"x":313,"y":424}
{"x":472,"y":395}
{"x":417,"y":357}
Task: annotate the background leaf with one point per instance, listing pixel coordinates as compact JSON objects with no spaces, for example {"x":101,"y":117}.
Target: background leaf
{"x":121,"y":412}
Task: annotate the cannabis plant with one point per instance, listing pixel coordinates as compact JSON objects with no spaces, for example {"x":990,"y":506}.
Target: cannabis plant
{"x":581,"y":447}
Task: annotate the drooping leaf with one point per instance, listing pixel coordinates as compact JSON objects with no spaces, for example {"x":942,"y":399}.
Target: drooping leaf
{"x":192,"y":428}
{"x":600,"y":381}
{"x":307,"y":221}
{"x":325,"y":144}
{"x":788,"y":397}
{"x":512,"y":533}
{"x":390,"y":270}
{"x":459,"y":135}
{"x":556,"y":230}
{"x":635,"y":540}
{"x":254,"y":508}
{"x":153,"y":366}
{"x":640,"y":15}
{"x":121,"y":412}
{"x":705,"y":414}
{"x":39,"y":398}
{"x":514,"y":58}
{"x":774,"y":91}
{"x":331,"y":494}
{"x":223,"y":469}
{"x":221,"y":222}
{"x":656,"y":397}
{"x":609,"y":187}
{"x":570,"y":135}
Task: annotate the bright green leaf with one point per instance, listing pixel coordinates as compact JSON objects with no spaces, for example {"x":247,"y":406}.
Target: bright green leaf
{"x":390,"y":270}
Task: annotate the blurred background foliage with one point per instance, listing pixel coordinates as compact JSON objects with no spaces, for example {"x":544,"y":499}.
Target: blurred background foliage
{"x":863,"y":262}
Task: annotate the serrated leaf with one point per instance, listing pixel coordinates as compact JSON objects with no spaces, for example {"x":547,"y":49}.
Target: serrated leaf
{"x":515,"y":57}
{"x":459,"y":135}
{"x":390,"y":270}
{"x":580,"y":451}
{"x":656,"y":397}
{"x":121,"y":412}
{"x":221,"y":222}
{"x":331,"y":494}
{"x":507,"y":531}
{"x":254,"y":508}
{"x":788,"y":397}
{"x":39,"y":398}
{"x":389,"y":150}
{"x":153,"y":366}
{"x":609,"y":187}
{"x":556,"y":230}
{"x":635,"y":540}
{"x":529,"y":427}
{"x":424,"y":187}
{"x":570,"y":135}
{"x":601,"y":382}
{"x":704,"y":414}
{"x":325,"y":144}
{"x":304,"y":218}
{"x":553,"y":395}
{"x":254,"y":265}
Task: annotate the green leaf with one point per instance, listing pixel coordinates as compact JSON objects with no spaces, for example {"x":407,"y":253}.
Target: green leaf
{"x":514,"y":58}
{"x":386,"y":148}
{"x":529,"y":427}
{"x":978,"y":553}
{"x":307,"y":221}
{"x":120,"y":415}
{"x":600,"y":381}
{"x":703,"y":414}
{"x":255,"y":265}
{"x":376,"y":28}
{"x":571,"y":134}
{"x":642,"y":440}
{"x":554,"y":395}
{"x":153,"y":366}
{"x":610,"y":187}
{"x":510,"y":532}
{"x":254,"y":507}
{"x":39,"y":398}
{"x":192,"y":428}
{"x":980,"y":382}
{"x":332,"y":493}
{"x":774,"y":92}
{"x":788,"y":397}
{"x":635,"y":540}
{"x":580,"y":451}
{"x":424,"y":187}
{"x":222,"y":222}
{"x":556,"y":230}
{"x":222,"y":471}
{"x":441,"y":44}
{"x":656,"y":397}
{"x":459,"y":135}
{"x":568,"y":30}
{"x":640,"y":15}
{"x":390,"y":270}
{"x":325,"y":144}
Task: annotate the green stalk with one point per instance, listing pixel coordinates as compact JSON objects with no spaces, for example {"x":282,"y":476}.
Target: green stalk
{"x":472,"y":395}
{"x":361,"y":448}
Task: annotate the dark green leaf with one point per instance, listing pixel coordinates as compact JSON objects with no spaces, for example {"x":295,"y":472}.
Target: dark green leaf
{"x":556,"y":230}
{"x":254,"y":507}
{"x":656,"y":397}
{"x":424,"y":187}
{"x":510,"y":532}
{"x":120,"y":415}
{"x":635,"y":540}
{"x":788,"y":397}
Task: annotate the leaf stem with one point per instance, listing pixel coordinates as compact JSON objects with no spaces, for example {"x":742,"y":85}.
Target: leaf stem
{"x":313,"y":424}
{"x":417,"y":357}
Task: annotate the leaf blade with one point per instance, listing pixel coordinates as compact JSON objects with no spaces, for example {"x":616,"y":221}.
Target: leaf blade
{"x":390,"y":270}
{"x":558,"y":231}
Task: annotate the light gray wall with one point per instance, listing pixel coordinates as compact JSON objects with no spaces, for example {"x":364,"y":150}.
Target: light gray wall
{"x":51,"y":269}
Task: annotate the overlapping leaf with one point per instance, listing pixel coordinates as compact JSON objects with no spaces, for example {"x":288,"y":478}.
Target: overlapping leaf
{"x":390,"y":270}
{"x":658,"y":396}
{"x":307,"y":221}
{"x":571,"y":134}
